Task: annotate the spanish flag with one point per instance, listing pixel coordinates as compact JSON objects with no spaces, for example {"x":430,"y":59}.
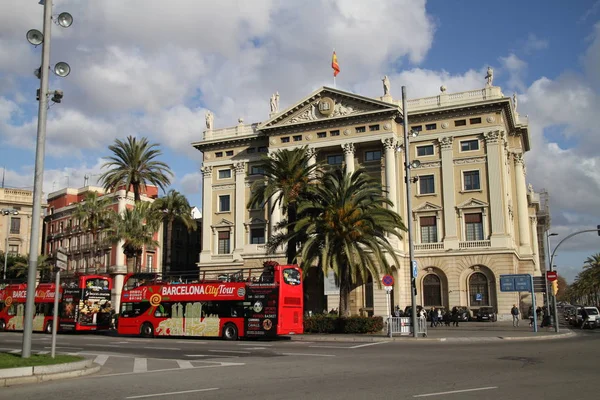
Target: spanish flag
{"x":334,"y":64}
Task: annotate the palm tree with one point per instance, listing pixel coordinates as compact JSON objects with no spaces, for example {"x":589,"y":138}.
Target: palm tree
{"x":94,"y":215}
{"x":344,"y":226}
{"x":133,"y":165}
{"x":136,"y":227}
{"x":287,"y":175}
{"x":44,"y":268}
{"x":174,"y":206}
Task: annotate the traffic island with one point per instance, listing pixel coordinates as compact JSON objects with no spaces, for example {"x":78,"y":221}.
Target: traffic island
{"x":15,"y":370}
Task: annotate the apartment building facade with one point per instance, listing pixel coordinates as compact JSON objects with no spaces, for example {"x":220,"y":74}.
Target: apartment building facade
{"x":474,"y":216}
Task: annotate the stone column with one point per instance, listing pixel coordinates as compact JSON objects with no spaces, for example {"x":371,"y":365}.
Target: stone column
{"x":348,"y":149}
{"x":389,"y":145}
{"x":448,"y":195}
{"x":207,"y":211}
{"x":535,"y":246}
{"x":240,"y":207}
{"x":493,"y":140}
{"x":522,"y":209}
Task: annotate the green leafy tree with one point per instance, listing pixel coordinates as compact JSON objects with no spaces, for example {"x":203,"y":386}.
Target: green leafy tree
{"x":344,"y":225}
{"x":173,"y":207}
{"x":133,"y":165}
{"x":21,"y":267}
{"x":93,"y":215}
{"x":136,"y":227}
{"x":586,"y":287}
{"x":287,"y":176}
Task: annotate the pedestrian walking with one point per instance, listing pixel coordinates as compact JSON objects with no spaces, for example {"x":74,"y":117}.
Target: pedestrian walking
{"x":514,"y":311}
{"x":455,"y":316}
{"x":585,"y":317}
{"x":434,"y":317}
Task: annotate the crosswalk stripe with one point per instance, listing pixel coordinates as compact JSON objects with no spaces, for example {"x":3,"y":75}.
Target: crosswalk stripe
{"x":140,"y":365}
{"x":15,"y":351}
{"x":43,"y":352}
{"x":184,"y":364}
{"x":101,"y":359}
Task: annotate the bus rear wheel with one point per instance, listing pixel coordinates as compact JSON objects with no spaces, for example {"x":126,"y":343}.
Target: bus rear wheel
{"x":147,"y":330}
{"x":230,"y":332}
{"x":48,"y":328}
{"x":2,"y":325}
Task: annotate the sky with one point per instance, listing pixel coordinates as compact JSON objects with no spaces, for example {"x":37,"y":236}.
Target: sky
{"x":153,"y":68}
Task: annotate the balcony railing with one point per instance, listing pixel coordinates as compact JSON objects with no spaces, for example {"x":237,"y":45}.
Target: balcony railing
{"x":474,"y":244}
{"x":429,"y":246}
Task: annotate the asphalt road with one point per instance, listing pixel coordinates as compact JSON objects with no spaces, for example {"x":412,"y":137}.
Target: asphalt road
{"x":209,"y":369}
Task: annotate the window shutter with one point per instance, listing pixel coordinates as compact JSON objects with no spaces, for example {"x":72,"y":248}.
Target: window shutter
{"x":473,"y":218}
{"x":427,"y":221}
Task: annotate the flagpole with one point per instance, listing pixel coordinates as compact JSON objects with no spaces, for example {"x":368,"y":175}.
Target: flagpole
{"x":334,"y":82}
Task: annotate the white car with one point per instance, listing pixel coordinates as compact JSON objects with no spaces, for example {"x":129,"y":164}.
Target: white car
{"x":594,"y":317}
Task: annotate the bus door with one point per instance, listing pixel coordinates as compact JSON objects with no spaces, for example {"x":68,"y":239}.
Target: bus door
{"x":291,"y":298}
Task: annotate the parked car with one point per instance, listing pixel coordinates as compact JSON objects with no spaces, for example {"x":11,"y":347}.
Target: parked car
{"x":593,"y":320}
{"x":486,"y":314}
{"x":464,"y":313}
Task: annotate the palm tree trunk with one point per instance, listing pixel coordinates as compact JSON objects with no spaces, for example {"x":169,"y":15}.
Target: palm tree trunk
{"x":291,"y":246}
{"x":344,"y":309}
{"x":136,"y":192}
{"x":168,"y":245}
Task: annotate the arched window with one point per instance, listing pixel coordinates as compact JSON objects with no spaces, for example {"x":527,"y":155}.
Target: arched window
{"x":432,"y":290}
{"x":478,"y":290}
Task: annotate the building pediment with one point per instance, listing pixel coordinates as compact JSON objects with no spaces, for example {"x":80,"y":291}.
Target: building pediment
{"x":427,"y":206}
{"x":328,"y":104}
{"x":224,"y":222}
{"x":472,"y":203}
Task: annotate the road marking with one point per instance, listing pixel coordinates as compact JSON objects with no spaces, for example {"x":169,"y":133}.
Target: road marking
{"x":367,"y":344}
{"x":230,"y":351}
{"x":15,"y":351}
{"x":170,"y":393}
{"x":101,"y":359}
{"x":329,"y":347}
{"x":308,"y":354}
{"x":230,"y":364}
{"x":253,"y":344}
{"x":197,"y":355}
{"x":184,"y":364}
{"x":456,"y":391}
{"x":162,"y":348}
{"x":43,"y":352}
{"x":189,"y":342}
{"x":140,"y":365}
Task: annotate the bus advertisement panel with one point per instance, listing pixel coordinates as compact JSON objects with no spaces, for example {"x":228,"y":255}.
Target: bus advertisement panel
{"x":86,"y":304}
{"x":219,"y":308}
{"x":12,"y":307}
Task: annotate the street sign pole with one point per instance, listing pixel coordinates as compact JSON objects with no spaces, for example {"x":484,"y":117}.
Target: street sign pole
{"x":535,"y":328}
{"x":61,"y":263}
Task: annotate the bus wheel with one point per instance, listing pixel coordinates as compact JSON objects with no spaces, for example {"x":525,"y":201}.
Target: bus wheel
{"x":2,"y":325}
{"x":147,"y":330}
{"x":48,"y":329}
{"x":230,"y":332}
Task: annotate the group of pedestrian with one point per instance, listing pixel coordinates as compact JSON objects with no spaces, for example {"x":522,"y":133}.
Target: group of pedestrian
{"x":437,"y":316}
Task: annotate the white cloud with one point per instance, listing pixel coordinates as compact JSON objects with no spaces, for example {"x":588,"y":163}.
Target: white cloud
{"x":533,"y":43}
{"x":516,"y":69}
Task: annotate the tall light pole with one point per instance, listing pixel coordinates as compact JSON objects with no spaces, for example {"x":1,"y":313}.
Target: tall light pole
{"x":407,"y":167}
{"x":36,"y":38}
{"x":549,"y":269}
{"x":6,"y":212}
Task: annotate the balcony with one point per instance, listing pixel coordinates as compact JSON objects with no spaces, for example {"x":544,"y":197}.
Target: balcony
{"x":429,"y":246}
{"x":475,"y":244}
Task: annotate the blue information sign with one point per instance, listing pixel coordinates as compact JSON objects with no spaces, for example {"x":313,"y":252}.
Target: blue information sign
{"x":515,"y":283}
{"x":478,"y":297}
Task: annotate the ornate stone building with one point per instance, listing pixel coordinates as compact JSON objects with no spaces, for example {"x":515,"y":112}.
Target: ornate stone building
{"x":473,"y":215}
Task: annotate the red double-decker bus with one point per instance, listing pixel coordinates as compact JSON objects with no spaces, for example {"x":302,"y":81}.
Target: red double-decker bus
{"x":230,"y":306}
{"x":84,"y":304}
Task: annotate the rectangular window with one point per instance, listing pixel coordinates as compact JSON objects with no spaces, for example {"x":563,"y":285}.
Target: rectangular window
{"x":335,"y":159}
{"x":416,"y":128}
{"x":423,"y":151}
{"x":334,"y":133}
{"x":471,"y":179}
{"x":374,"y":155}
{"x":285,"y":139}
{"x":257,"y":235}
{"x":263,"y":149}
{"x":469,"y":145}
{"x":475,"y":121}
{"x":428,"y":229}
{"x":256,"y":170}
{"x":373,"y":128}
{"x":224,"y":173}
{"x":460,"y":122}
{"x":321,"y":135}
{"x":229,"y":153}
{"x":298,"y":138}
{"x":13,"y":249}
{"x":15,"y":225}
{"x":474,"y":226}
{"x":224,"y":243}
{"x":360,"y":129}
{"x":149,"y":262}
{"x":219,"y":154}
{"x":251,"y":150}
{"x":224,"y":203}
{"x":426,"y":184}
{"x":430,"y":127}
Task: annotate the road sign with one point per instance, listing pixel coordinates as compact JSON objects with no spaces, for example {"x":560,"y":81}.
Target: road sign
{"x":551,"y":275}
{"x":539,"y":284}
{"x":61,"y":264}
{"x":515,"y":283}
{"x":415,"y":270}
{"x":387,"y":280}
{"x":61,"y":256}
{"x":478,"y":297}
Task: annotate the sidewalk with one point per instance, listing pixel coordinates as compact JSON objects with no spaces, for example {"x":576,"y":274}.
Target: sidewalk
{"x":465,"y":332}
{"x":25,"y":375}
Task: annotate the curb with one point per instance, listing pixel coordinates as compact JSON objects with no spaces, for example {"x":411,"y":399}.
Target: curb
{"x":45,"y":373}
{"x":410,"y":339}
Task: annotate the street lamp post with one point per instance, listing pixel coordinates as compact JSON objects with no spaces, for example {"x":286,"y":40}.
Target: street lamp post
{"x":555,"y":321}
{"x":62,"y":69}
{"x":7,"y":212}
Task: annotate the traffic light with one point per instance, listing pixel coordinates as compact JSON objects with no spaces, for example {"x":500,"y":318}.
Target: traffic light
{"x":554,"y":287}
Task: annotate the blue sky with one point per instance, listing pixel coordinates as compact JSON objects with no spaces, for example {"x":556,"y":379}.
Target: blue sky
{"x":152,"y":68}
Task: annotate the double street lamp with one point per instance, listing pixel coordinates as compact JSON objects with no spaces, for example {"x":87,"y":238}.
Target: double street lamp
{"x":7,"y":212}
